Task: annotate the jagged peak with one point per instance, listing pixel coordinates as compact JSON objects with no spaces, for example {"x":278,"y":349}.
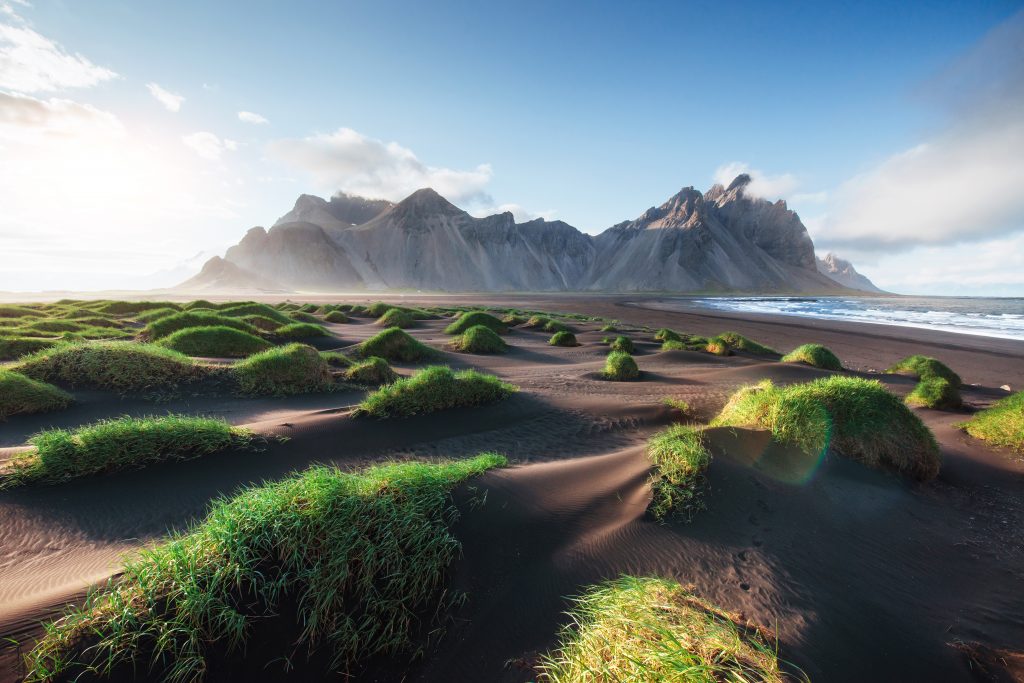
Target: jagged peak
{"x":427,"y":200}
{"x":740,"y":182}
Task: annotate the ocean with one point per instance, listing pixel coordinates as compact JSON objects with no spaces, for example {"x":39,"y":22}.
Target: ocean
{"x":988,"y":317}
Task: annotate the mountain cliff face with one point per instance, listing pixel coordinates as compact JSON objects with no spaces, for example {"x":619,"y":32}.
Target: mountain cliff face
{"x":843,"y":272}
{"x":722,"y":240}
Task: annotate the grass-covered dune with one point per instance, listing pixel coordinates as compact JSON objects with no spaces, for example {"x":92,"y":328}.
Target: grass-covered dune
{"x":336,"y":317}
{"x":935,"y":392}
{"x":162,"y":327}
{"x":432,"y":389}
{"x":664,"y":334}
{"x":680,"y":459}
{"x":925,"y":367}
{"x":21,"y":395}
{"x":242,"y":310}
{"x":479,"y":339}
{"x":546,"y":324}
{"x":372,"y":370}
{"x":149,"y":316}
{"x":563,"y":338}
{"x":214,"y":342}
{"x":471,"y":319}
{"x":395,"y":344}
{"x":1002,"y":424}
{"x":619,"y":366}
{"x":282,"y":370}
{"x":12,"y":348}
{"x":12,"y":311}
{"x":717,"y":346}
{"x":300,"y":331}
{"x":651,"y":629}
{"x":856,"y":418}
{"x":304,"y":317}
{"x":622,"y":343}
{"x":737,"y":342}
{"x":341,"y":562}
{"x":120,"y":366}
{"x":815,"y":355}
{"x":396,"y":317}
{"x":59,"y":455}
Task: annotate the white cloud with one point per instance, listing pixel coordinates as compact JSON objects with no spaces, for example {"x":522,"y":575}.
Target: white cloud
{"x":252,"y":117}
{"x":171,"y":101}
{"x":959,"y":185}
{"x":23,"y":117}
{"x":354,"y":163}
{"x":207,"y":145}
{"x":761,"y":184}
{"x":31,"y":63}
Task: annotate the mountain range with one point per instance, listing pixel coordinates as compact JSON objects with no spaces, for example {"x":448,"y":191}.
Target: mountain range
{"x":723,"y":240}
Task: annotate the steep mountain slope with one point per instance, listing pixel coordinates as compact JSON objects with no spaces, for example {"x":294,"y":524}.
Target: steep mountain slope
{"x":719,"y":241}
{"x":843,"y":272}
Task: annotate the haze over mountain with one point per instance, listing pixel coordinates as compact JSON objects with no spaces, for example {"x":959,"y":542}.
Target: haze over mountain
{"x":721,"y":241}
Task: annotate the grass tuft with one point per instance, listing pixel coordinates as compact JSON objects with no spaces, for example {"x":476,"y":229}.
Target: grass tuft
{"x":856,"y":418}
{"x":214,"y":342}
{"x":925,"y":367}
{"x":343,"y":562}
{"x":563,"y":338}
{"x":624,"y":344}
{"x":396,"y":317}
{"x":336,"y":317}
{"x":680,"y":460}
{"x":372,"y":370}
{"x":153,"y":314}
{"x":121,"y":366}
{"x":479,"y":339}
{"x":651,"y":629}
{"x":58,"y":455}
{"x":935,"y":392}
{"x":737,"y":342}
{"x":21,"y":395}
{"x":394,"y":344}
{"x":474,"y":318}
{"x":284,"y":370}
{"x":300,"y":331}
{"x":1001,"y":424}
{"x":432,"y":389}
{"x":163,"y":327}
{"x":242,"y":310}
{"x":815,"y":355}
{"x":717,"y":346}
{"x":665,"y":334}
{"x":619,"y":366}
{"x":13,"y":348}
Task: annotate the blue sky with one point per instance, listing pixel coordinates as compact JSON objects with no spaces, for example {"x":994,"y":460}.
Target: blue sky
{"x":587,"y":112}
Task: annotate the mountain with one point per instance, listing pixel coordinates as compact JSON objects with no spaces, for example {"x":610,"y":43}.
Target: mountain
{"x":722,"y":240}
{"x":843,"y":272}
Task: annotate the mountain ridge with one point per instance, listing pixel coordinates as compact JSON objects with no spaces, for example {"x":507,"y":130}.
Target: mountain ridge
{"x":722,"y":240}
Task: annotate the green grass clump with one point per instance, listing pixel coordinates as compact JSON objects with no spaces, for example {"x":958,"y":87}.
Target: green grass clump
{"x":283,"y":370}
{"x":336,"y":317}
{"x":342,"y":562}
{"x":856,"y":418}
{"x":21,"y":395}
{"x":563,"y":338}
{"x":473,"y":319}
{"x":814,"y":355}
{"x":214,"y":342}
{"x":128,"y":442}
{"x":309,"y":308}
{"x":199,"y":303}
{"x":935,"y":392}
{"x":242,"y":310}
{"x":336,"y":359}
{"x":513,"y":320}
{"x":652,"y":629}
{"x":261,"y":322}
{"x":737,"y":342}
{"x":665,"y":334}
{"x":394,"y":344}
{"x":134,"y":307}
{"x":624,"y":344}
{"x":376,"y":310}
{"x":680,"y":460}
{"x":300,"y":331}
{"x":432,"y":389}
{"x":372,"y":370}
{"x":925,"y":367}
{"x":479,"y":339}
{"x":304,"y":317}
{"x":52,"y":327}
{"x":12,"y":348}
{"x":20,"y":312}
{"x":1001,"y":424}
{"x":619,"y":366}
{"x":156,"y":313}
{"x":163,"y":327}
{"x":120,"y":366}
{"x":718,"y":347}
{"x":546,"y":324}
{"x":396,"y":317}
{"x":609,"y":328}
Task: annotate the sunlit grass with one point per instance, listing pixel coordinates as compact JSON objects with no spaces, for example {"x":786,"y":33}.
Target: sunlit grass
{"x":680,"y":460}
{"x":479,"y":339}
{"x":815,"y":355}
{"x":282,"y":370}
{"x":1002,"y":424}
{"x":21,"y":395}
{"x":619,"y":366}
{"x":395,"y":344}
{"x":432,"y":389}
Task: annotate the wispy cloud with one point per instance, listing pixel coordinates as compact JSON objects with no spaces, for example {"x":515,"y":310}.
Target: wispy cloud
{"x":23,"y":117}
{"x":357,"y":164}
{"x":32,"y":63}
{"x":761,"y":184}
{"x":171,"y":101}
{"x":963,"y":183}
{"x":252,"y":117}
{"x":208,"y":146}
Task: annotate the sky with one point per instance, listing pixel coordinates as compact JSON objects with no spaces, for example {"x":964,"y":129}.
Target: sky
{"x":139,"y":138}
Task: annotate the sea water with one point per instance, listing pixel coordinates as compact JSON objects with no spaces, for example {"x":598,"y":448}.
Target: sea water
{"x":986,"y":316}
